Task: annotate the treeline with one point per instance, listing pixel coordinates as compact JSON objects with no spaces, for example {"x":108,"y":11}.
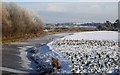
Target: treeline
{"x":19,"y":21}
{"x":109,"y":26}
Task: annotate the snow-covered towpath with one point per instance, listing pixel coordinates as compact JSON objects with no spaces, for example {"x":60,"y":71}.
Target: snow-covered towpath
{"x":94,"y":35}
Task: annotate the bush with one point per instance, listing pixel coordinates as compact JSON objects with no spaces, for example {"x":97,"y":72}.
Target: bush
{"x":19,"y":21}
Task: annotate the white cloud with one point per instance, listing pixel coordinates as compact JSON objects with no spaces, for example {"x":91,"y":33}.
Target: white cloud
{"x":55,"y":8}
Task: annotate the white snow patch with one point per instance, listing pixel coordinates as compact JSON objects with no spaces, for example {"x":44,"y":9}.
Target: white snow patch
{"x":12,"y":70}
{"x":23,"y":54}
{"x":94,"y":35}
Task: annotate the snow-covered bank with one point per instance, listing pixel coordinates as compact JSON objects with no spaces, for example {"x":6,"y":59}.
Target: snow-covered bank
{"x":94,"y":35}
{"x":17,"y":55}
{"x":43,"y":57}
{"x":90,"y":52}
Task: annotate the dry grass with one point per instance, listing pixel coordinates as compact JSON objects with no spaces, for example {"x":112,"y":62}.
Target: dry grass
{"x":22,"y":37}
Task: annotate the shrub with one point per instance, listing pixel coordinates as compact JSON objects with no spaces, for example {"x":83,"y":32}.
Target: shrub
{"x":17,"y":20}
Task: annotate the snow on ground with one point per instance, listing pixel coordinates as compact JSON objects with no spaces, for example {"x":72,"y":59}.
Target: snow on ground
{"x":90,"y":52}
{"x":43,"y":57}
{"x":23,"y":54}
{"x":94,"y":35}
{"x":25,"y":57}
{"x":30,"y":65}
{"x":11,"y":70}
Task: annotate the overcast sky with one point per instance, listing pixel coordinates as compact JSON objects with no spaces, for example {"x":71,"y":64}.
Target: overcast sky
{"x":60,"y":0}
{"x":54,"y":11}
{"x":81,"y":12}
